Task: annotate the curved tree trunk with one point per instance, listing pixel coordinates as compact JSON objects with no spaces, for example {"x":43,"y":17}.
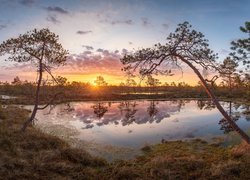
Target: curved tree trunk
{"x":33,"y":114}
{"x":216,"y":102}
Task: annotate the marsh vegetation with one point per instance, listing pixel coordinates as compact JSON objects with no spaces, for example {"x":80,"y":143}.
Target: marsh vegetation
{"x":178,"y":129}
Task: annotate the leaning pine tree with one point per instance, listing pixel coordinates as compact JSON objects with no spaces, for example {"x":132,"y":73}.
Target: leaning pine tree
{"x":41,"y":48}
{"x":184,"y":46}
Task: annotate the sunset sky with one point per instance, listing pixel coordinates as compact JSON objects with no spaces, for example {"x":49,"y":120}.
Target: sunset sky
{"x":98,"y":33}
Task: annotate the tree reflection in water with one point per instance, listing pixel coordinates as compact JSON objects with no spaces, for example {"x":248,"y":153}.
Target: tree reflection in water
{"x":205,"y":105}
{"x":129,"y":112}
{"x":225,"y":126}
{"x":100,"y":109}
{"x":152,"y":110}
{"x":128,"y":108}
{"x":235,"y":115}
{"x":142,"y":112}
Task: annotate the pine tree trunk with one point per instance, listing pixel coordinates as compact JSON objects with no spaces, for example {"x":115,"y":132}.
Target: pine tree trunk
{"x":33,"y":114}
{"x":216,"y":102}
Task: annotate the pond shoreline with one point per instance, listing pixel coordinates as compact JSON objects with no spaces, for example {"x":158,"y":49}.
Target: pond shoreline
{"x":36,"y":155}
{"x":23,"y":100}
{"x":97,"y":121}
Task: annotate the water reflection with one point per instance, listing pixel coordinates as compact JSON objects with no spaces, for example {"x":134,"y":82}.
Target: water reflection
{"x":205,"y":104}
{"x":125,"y":112}
{"x":100,"y":109}
{"x":129,"y":112}
{"x":233,"y":111}
{"x":136,"y":122}
{"x":152,"y":109}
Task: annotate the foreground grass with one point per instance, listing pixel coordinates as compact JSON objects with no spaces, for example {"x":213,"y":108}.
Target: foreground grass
{"x":35,"y":155}
{"x":187,"y":160}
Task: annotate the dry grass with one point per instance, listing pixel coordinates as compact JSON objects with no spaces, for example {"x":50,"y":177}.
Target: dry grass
{"x":35,"y":155}
{"x":185,"y":160}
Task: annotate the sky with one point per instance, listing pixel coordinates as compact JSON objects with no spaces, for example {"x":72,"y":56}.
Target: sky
{"x":98,"y":33}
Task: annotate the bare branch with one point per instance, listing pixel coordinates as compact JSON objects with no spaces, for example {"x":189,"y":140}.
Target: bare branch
{"x":50,"y":102}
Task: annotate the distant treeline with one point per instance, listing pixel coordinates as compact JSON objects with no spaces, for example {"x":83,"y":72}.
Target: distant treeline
{"x":76,"y":91}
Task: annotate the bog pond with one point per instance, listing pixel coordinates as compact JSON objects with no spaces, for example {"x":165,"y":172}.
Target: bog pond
{"x":118,"y":129}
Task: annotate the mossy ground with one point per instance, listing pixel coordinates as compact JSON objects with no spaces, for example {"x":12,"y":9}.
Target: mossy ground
{"x":35,"y":155}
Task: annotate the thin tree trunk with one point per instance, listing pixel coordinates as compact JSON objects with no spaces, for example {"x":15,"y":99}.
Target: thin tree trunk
{"x":216,"y":102}
{"x":230,"y":108}
{"x":230,"y":85}
{"x":33,"y":114}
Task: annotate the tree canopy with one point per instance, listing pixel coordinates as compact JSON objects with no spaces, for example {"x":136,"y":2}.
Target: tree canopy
{"x":161,"y":58}
{"x":228,"y":71}
{"x":241,"y":47}
{"x":100,"y":81}
{"x":186,"y":46}
{"x":40,"y":47}
{"x":34,"y":46}
{"x":151,"y":81}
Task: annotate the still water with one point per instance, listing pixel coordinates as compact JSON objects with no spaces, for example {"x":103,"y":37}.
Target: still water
{"x":133,"y":124}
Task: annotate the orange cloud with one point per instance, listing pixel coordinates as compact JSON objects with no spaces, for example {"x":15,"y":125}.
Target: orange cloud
{"x":89,"y":64}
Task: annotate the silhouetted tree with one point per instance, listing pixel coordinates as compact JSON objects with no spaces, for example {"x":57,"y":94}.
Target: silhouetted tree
{"x":100,"y":81}
{"x":246,"y":80}
{"x":241,"y":47}
{"x":166,"y":84}
{"x":61,"y":81}
{"x":183,"y":46}
{"x":40,"y":47}
{"x":173,"y":84}
{"x":228,"y":71}
{"x":16,"y":81}
{"x":130,"y":82}
{"x":238,"y":82}
{"x":152,"y":81}
{"x":122,"y":84}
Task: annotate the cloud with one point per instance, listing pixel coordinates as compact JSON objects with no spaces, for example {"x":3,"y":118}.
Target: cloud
{"x":83,"y":32}
{"x":127,"y":22}
{"x":57,"y":9}
{"x":130,"y":43}
{"x":89,"y":62}
{"x":27,"y":2}
{"x":165,"y":25}
{"x":88,"y":47}
{"x":116,"y":22}
{"x":145,"y":21}
{"x":2,"y":26}
{"x":124,"y":51}
{"x":53,"y":19}
{"x":99,"y":50}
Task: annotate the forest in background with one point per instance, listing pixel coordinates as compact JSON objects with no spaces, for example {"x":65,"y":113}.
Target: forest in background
{"x":153,"y":89}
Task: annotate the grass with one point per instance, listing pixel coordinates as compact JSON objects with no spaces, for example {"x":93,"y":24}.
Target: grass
{"x":187,"y":160}
{"x":35,"y":155}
